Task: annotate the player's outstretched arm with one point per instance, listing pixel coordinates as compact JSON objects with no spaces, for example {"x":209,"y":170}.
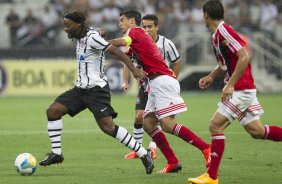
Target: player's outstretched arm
{"x":138,"y":73}
{"x":118,"y":42}
{"x":126,"y":75}
{"x":177,"y":67}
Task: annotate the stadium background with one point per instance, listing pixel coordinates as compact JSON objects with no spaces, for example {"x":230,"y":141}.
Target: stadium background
{"x":37,"y":58}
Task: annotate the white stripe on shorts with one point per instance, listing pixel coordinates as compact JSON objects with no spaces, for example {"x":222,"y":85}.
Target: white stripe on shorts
{"x":171,"y":109}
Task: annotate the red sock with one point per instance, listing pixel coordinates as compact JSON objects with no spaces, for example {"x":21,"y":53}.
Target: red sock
{"x":273,"y":133}
{"x":217,"y":149}
{"x":188,"y":136}
{"x":162,"y":143}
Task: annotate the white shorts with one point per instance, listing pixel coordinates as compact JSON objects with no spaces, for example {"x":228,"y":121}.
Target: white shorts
{"x":164,"y":97}
{"x":243,"y":106}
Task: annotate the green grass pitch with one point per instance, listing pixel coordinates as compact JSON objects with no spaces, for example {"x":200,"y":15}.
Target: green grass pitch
{"x":92,"y":157}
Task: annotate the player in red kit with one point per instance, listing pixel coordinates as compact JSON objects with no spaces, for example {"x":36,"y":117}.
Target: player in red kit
{"x":238,"y":97}
{"x":164,"y":100}
{"x":150,"y":23}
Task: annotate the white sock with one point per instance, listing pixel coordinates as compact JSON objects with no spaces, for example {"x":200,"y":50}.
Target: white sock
{"x":152,"y":144}
{"x":126,"y":139}
{"x":138,"y":134}
{"x":54,"y":132}
{"x":159,"y":126}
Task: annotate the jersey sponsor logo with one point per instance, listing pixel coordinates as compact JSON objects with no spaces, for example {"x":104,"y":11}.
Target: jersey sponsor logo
{"x":81,"y":58}
{"x":214,"y":154}
{"x":3,"y":79}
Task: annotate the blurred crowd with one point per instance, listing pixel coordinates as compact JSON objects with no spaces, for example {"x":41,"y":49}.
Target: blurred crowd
{"x":175,"y":16}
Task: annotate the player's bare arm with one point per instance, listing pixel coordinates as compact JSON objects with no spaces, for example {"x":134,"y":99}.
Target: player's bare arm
{"x":118,"y":42}
{"x":243,"y":61}
{"x":126,"y":75}
{"x":176,"y":67}
{"x":138,"y":73}
{"x":206,"y":81}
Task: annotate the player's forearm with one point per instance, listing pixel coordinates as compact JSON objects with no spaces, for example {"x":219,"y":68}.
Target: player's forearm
{"x":176,"y":68}
{"x":126,"y":74}
{"x":122,"y":57}
{"x":117,"y":42}
{"x":217,"y":71}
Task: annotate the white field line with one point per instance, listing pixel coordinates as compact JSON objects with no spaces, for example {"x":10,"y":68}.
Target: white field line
{"x":91,"y":130}
{"x":36,"y":132}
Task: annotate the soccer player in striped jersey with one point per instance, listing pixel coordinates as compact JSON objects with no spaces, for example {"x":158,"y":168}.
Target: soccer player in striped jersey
{"x":150,"y":23}
{"x":91,"y":90}
{"x":238,"y":97}
{"x":170,"y":54}
{"x":164,"y":100}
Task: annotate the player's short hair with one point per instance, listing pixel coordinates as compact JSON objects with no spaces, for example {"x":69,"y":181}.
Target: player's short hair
{"x":75,"y":15}
{"x":132,"y":14}
{"x":152,"y":17}
{"x":214,"y":9}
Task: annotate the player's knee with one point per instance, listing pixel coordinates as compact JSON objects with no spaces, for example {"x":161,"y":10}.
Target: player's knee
{"x":56,"y":110}
{"x":107,"y":129}
{"x":148,"y":127}
{"x":214,"y":129}
{"x":166,"y":127}
{"x":149,"y":123}
{"x":139,"y":118}
{"x":53,"y":112}
{"x":107,"y":125}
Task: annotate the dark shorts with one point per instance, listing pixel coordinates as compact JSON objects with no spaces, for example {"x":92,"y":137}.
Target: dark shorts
{"x":96,"y":99}
{"x":141,"y":99}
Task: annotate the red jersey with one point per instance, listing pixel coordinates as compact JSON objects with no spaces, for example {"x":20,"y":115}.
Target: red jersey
{"x":148,"y":54}
{"x":226,"y":43}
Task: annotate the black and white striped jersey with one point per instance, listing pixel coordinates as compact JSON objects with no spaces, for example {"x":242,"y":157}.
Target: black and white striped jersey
{"x":168,"y":50}
{"x":90,"y":53}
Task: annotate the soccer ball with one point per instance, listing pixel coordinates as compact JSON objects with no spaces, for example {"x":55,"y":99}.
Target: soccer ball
{"x":25,"y":164}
